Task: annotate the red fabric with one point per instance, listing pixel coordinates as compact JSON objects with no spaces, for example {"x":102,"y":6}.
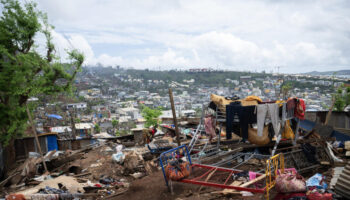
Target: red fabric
{"x":319,"y":196}
{"x":15,"y":197}
{"x":281,"y":196}
{"x":152,"y":131}
{"x":299,"y":111}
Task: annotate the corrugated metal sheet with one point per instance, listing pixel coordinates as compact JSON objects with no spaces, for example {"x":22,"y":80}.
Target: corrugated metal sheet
{"x":43,"y":145}
{"x":342,"y":187}
{"x":52,"y":142}
{"x":64,"y":145}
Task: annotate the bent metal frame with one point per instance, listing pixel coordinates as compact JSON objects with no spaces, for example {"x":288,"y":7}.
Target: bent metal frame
{"x":273,"y":164}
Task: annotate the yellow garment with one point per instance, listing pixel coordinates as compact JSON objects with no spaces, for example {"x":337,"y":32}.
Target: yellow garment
{"x":253,"y":98}
{"x":287,"y":132}
{"x":280,"y":102}
{"x":221,"y":102}
{"x":248,"y":103}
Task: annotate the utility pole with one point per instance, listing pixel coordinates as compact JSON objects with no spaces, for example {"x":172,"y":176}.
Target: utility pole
{"x":174,"y":116}
{"x":36,"y":138}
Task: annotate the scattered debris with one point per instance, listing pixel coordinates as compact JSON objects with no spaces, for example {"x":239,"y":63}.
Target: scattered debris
{"x":214,"y":167}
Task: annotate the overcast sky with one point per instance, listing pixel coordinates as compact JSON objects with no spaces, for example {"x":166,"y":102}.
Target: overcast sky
{"x":298,"y":36}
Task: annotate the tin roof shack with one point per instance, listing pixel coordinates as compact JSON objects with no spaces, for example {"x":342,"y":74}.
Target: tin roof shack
{"x":71,"y":144}
{"x":84,"y":130}
{"x":64,"y":132}
{"x":48,"y":142}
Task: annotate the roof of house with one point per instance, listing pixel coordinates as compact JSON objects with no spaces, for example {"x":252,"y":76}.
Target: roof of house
{"x":84,"y":125}
{"x":61,"y":129}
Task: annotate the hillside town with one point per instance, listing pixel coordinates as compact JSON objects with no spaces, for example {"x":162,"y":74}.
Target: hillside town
{"x":179,"y":100}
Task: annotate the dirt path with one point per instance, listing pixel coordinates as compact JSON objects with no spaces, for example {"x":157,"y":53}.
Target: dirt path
{"x":153,"y":187}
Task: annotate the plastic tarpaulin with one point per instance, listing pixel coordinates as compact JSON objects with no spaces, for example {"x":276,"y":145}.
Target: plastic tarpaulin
{"x":54,"y":116}
{"x":307,"y":125}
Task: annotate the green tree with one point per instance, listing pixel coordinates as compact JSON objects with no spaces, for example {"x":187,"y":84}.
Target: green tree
{"x":342,"y":98}
{"x":151,"y":115}
{"x":24,"y":72}
{"x":115,"y":123}
{"x":97,"y":128}
{"x":285,"y":88}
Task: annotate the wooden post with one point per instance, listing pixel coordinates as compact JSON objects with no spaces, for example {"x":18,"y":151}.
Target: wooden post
{"x":72,"y":115}
{"x":329,"y":114}
{"x":174,"y":116}
{"x":36,"y":138}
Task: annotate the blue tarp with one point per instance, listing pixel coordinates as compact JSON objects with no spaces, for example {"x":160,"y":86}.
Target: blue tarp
{"x":52,"y":142}
{"x":53,"y":116}
{"x":308,"y":125}
{"x":340,"y":136}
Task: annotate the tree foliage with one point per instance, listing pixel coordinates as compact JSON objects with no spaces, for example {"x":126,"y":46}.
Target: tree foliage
{"x":115,"y":123}
{"x":342,"y":98}
{"x":151,"y":115}
{"x":25,"y":72}
{"x":285,"y":88}
{"x":97,"y":128}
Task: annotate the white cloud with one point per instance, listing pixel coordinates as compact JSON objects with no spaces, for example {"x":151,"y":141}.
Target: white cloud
{"x":234,"y":35}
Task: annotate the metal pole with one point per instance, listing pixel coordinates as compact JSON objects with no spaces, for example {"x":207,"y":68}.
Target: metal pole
{"x":36,"y":138}
{"x":174,"y":116}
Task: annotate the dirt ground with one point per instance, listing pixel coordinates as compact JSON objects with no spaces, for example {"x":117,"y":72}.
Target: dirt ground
{"x":153,"y":187}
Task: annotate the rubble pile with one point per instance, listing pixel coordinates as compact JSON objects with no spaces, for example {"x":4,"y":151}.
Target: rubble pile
{"x":90,"y":173}
{"x":221,"y":156}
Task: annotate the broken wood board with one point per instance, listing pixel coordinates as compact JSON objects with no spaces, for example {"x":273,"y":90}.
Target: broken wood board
{"x":230,"y":191}
{"x":208,"y":177}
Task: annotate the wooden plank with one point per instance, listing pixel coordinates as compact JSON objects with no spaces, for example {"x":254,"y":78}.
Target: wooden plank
{"x":174,"y":116}
{"x":208,"y":177}
{"x":253,"y":181}
{"x":229,"y":191}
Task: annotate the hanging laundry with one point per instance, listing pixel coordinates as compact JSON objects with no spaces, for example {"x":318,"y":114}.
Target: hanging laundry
{"x":262,"y":111}
{"x":245,"y":114}
{"x":209,"y":126}
{"x":300,"y":109}
{"x":287,"y":132}
{"x":253,"y":98}
{"x":291,"y":103}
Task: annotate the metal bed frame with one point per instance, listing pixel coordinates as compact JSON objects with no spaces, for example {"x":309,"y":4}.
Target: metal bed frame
{"x":273,"y":164}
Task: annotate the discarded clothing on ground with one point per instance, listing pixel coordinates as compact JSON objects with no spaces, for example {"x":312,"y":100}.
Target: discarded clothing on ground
{"x":290,"y":182}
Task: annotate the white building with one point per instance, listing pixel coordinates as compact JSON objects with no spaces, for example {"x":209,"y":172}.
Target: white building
{"x":80,"y":106}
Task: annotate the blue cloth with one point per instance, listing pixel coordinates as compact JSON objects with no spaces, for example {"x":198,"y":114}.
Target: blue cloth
{"x":317,"y":181}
